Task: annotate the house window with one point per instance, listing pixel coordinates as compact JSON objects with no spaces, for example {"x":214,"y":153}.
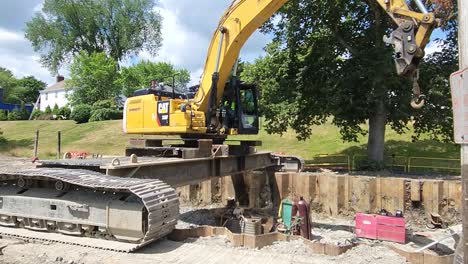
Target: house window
{"x":56,"y":94}
{"x":47,"y":96}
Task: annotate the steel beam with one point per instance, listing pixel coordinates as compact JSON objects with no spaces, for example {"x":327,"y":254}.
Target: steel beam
{"x":179,"y":172}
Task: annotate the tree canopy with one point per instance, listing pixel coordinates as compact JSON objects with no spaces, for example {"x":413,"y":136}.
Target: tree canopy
{"x":28,"y":89}
{"x":93,"y":77}
{"x":19,"y":90}
{"x":327,"y":61}
{"x":140,"y":75}
{"x":116,"y":27}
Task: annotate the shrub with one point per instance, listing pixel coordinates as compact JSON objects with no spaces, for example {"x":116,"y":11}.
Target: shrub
{"x":35,"y":113}
{"x":3,"y":115}
{"x":24,"y":114}
{"x":105,"y":114}
{"x":108,"y":103}
{"x":81,"y":113}
{"x":55,"y":110}
{"x":48,"y":110}
{"x":14,"y":115}
{"x":65,"y":111}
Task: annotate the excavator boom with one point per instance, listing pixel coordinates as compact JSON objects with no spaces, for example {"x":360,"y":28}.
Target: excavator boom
{"x":239,"y":21}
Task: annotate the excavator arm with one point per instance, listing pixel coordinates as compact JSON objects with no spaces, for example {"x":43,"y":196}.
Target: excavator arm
{"x":202,"y":115}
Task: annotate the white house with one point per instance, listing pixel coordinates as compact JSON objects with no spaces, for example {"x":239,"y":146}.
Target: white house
{"x":54,"y":94}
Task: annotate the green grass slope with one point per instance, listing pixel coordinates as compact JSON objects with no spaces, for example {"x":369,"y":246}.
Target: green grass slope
{"x":107,"y":138}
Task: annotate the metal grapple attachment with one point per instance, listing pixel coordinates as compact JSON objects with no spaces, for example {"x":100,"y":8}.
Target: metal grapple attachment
{"x":407,"y":55}
{"x":406,"y":52}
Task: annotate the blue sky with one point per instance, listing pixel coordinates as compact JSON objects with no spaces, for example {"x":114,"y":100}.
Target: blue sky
{"x":186,"y":35}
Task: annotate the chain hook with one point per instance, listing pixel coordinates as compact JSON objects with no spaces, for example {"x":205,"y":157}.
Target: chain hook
{"x":418,"y":99}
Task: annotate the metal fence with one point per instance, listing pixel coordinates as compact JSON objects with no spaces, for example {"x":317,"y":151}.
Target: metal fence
{"x":393,"y":162}
{"x":342,"y":162}
{"x":416,"y":164}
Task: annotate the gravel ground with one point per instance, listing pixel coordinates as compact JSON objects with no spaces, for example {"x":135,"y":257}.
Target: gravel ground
{"x":364,"y":254}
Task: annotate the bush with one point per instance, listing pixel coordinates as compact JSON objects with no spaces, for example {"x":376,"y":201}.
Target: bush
{"x":14,"y":115}
{"x":24,"y":114}
{"x":64,"y":111}
{"x":48,"y":110}
{"x":3,"y":115}
{"x":81,"y":113}
{"x":108,"y":103}
{"x":55,"y":110}
{"x":35,"y":114}
{"x":105,"y":114}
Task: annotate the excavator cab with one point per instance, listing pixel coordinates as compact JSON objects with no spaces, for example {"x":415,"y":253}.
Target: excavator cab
{"x":247,"y":109}
{"x":239,"y":108}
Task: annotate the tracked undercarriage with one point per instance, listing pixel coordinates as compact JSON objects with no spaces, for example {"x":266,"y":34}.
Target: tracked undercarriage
{"x":83,"y":202}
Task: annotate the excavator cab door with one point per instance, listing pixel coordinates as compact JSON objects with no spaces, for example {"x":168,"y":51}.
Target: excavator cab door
{"x":247,"y":108}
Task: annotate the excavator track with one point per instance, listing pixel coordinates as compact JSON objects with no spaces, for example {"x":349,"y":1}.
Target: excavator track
{"x":85,"y":208}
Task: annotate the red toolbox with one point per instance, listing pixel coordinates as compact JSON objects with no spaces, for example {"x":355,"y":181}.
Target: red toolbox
{"x":366,"y":226}
{"x":390,"y":228}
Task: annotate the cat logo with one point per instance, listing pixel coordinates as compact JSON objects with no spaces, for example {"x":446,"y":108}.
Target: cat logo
{"x":163,"y":107}
{"x":163,"y":113}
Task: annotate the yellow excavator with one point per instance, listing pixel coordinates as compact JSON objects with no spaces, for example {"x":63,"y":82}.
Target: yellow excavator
{"x":223,"y":106}
{"x":124,"y":203}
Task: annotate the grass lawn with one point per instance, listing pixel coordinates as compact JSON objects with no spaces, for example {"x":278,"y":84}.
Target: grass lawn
{"x":107,"y":138}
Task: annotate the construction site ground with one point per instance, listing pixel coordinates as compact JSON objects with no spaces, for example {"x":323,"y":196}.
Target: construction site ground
{"x":217,"y":249}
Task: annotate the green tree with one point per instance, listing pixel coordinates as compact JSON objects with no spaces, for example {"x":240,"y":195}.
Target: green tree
{"x":48,"y":110}
{"x":8,"y":82}
{"x":24,"y":90}
{"x":140,"y":75}
{"x":93,"y":78}
{"x":55,"y":110}
{"x":117,"y":27}
{"x":328,"y":62}
{"x":28,"y":89}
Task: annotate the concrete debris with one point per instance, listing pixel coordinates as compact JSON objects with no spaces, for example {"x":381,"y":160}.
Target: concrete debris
{"x":336,"y":237}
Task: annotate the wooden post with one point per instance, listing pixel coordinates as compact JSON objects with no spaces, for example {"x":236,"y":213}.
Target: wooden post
{"x":36,"y":142}
{"x":59,"y":139}
{"x":463,"y":58}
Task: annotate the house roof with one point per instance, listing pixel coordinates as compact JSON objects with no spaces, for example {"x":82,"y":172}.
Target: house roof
{"x":59,"y":86}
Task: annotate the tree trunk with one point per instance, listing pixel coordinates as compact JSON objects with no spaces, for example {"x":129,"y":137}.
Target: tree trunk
{"x":376,"y":139}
